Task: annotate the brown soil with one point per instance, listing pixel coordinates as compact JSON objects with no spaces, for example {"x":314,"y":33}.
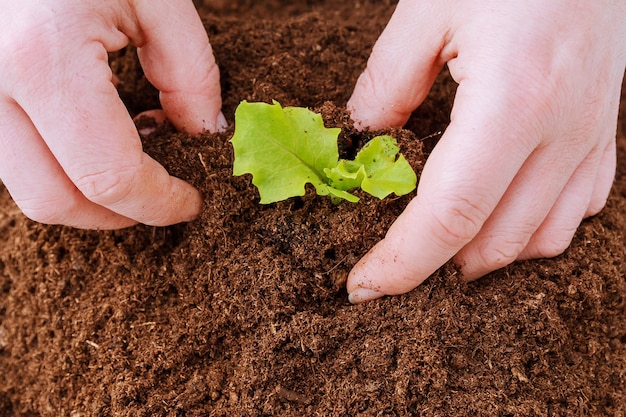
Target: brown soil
{"x":243,"y":312}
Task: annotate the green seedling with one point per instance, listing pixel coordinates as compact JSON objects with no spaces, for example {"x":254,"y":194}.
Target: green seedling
{"x":286,"y":148}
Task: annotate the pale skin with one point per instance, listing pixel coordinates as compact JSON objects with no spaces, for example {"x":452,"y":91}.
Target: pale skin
{"x":530,"y":150}
{"x":69,"y":152}
{"x":529,"y":153}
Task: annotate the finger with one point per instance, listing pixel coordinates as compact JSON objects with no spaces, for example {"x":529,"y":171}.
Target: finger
{"x":402,"y":66}
{"x":36,"y":181}
{"x":604,"y":179}
{"x":524,"y":207}
{"x":91,"y":135}
{"x":586,"y":192}
{"x":178,"y":60}
{"x":608,"y":162}
{"x":461,"y":184}
{"x":556,"y":232}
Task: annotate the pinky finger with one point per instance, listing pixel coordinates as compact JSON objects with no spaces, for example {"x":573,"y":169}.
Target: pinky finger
{"x":604,"y":180}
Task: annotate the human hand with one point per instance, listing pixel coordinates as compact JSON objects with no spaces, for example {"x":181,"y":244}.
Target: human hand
{"x":530,"y":150}
{"x":69,"y":151}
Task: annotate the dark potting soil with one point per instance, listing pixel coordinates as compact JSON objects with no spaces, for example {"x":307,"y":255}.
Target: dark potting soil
{"x":243,"y":312}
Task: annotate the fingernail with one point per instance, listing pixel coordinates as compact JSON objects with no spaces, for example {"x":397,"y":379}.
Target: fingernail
{"x":361,"y":295}
{"x":221,"y":124}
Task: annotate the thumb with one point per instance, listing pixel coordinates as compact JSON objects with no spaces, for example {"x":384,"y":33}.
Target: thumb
{"x":402,"y":66}
{"x":178,"y":60}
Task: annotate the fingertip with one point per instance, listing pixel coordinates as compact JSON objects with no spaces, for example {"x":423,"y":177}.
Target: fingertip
{"x":188,"y":205}
{"x":371,"y":111}
{"x":387,"y":269}
{"x":365,"y":273}
{"x":400,"y":70}
{"x":159,"y":116}
{"x":178,"y":60}
{"x":213,"y":125}
{"x":360,"y":283}
{"x":194,"y":115}
{"x":218,"y":124}
{"x":363,"y":295}
{"x":221,"y":125}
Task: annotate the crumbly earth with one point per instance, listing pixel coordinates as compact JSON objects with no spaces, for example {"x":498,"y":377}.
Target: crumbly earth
{"x":243,"y":312}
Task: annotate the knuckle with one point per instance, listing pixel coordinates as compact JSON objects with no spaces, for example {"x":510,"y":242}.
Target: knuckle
{"x":458,"y":221}
{"x":497,"y":254}
{"x":106,"y":187}
{"x":495,"y":249}
{"x":27,"y":52}
{"x":204,"y":70}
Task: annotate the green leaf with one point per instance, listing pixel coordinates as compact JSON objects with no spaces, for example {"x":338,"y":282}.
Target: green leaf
{"x":375,"y":169}
{"x":283,"y":149}
{"x":286,"y":148}
{"x":346,"y":176}
{"x":385,"y":173}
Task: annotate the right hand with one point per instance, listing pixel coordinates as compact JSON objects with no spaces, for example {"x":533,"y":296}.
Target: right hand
{"x":69,"y":152}
{"x":530,"y":149}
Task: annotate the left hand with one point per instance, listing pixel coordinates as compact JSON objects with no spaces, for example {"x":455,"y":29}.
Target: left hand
{"x":69,"y":152}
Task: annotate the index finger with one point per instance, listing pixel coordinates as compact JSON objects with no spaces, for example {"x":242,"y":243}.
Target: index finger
{"x":463,"y":179}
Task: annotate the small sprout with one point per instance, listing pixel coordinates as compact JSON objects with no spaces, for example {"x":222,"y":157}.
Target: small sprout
{"x":286,"y":148}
